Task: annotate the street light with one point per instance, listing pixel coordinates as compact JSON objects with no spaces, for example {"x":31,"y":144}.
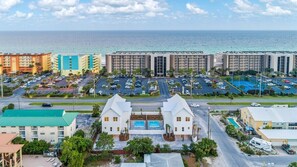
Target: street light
{"x":208,"y":123}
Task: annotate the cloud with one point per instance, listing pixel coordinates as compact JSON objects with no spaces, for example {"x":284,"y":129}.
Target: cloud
{"x":244,"y":6}
{"x":194,"y":9}
{"x":5,"y":5}
{"x":21,"y":15}
{"x":275,"y":11}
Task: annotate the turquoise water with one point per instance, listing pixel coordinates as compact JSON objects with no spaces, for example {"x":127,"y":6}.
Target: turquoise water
{"x":232,"y":121}
{"x":154,"y":124}
{"x":247,"y":85}
{"x":139,"y":124}
{"x":109,"y":41}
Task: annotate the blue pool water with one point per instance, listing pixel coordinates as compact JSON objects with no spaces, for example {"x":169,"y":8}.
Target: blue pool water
{"x":154,"y":124}
{"x":232,"y":121}
{"x":139,"y":124}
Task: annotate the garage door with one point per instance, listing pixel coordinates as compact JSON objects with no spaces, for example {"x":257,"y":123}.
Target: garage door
{"x":292,"y":142}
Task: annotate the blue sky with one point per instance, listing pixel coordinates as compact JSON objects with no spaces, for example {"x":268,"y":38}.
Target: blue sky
{"x":148,"y":14}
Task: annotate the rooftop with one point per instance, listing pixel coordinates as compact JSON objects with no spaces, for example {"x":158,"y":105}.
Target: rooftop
{"x":279,"y":133}
{"x":154,"y":52}
{"x":117,"y":104}
{"x":163,"y":160}
{"x":37,"y":117}
{"x":273,"y":114}
{"x":6,"y":146}
{"x":175,"y":104}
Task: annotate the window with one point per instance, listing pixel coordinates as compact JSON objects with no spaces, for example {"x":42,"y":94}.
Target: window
{"x":42,"y":133}
{"x":52,"y":133}
{"x":187,"y":119}
{"x":106,"y":119}
{"x":183,"y":129}
{"x":178,"y":119}
{"x":115,"y":119}
{"x":175,"y":128}
{"x":189,"y":128}
{"x":42,"y":126}
{"x":13,"y":126}
{"x":111,"y":129}
{"x":118,"y":129}
{"x":3,"y":126}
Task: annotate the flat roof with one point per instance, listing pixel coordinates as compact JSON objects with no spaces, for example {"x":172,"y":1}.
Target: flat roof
{"x":279,"y":133}
{"x":273,"y":114}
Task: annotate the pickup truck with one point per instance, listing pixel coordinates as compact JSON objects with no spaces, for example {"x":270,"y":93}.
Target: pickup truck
{"x":287,"y":148}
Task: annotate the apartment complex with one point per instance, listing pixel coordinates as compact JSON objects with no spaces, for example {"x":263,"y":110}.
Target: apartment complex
{"x":10,"y":154}
{"x":159,"y":62}
{"x":49,"y":125}
{"x":76,"y":63}
{"x":275,"y":124}
{"x":118,"y":118}
{"x":11,"y":63}
{"x":283,"y":62}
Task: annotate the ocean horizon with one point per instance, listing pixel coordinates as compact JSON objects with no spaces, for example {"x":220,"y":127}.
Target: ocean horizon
{"x":105,"y":41}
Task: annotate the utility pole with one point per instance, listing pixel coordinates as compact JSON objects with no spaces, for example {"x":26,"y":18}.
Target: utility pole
{"x":260,"y":88}
{"x":191,"y":84}
{"x":1,"y":85}
{"x":208,"y":123}
{"x":19,"y":103}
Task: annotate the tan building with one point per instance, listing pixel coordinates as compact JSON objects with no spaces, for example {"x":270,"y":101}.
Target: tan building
{"x":24,"y":62}
{"x":197,"y":61}
{"x":158,"y":62}
{"x":49,"y":125}
{"x":129,"y":61}
{"x":10,"y":154}
{"x":283,"y":62}
{"x":274,"y":124}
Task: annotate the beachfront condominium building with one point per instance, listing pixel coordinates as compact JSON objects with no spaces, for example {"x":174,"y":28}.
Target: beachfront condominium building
{"x":174,"y":117}
{"x":196,"y":61}
{"x":283,"y":62}
{"x":76,"y":64}
{"x":158,"y":62}
{"x":277,"y":124}
{"x":11,"y":63}
{"x":49,"y":125}
{"x":10,"y":154}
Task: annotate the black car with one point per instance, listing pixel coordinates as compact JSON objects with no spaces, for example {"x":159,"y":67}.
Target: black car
{"x":47,"y":105}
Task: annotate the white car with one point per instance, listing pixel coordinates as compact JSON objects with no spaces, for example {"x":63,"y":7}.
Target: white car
{"x":127,"y":87}
{"x":195,"y":105}
{"x":256,"y":105}
{"x":187,"y":92}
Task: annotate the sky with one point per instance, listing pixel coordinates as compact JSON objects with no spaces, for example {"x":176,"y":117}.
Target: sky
{"x":148,"y":15}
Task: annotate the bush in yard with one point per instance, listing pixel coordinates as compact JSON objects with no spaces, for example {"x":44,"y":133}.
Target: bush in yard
{"x":204,"y":148}
{"x":117,"y":159}
{"x":79,"y":133}
{"x":185,"y":149}
{"x":293,"y":164}
{"x":10,"y":106}
{"x":33,"y":147}
{"x":140,"y":146}
{"x":165,"y":149}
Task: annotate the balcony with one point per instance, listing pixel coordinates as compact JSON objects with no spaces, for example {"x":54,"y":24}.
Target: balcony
{"x":34,"y":128}
{"x":61,"y":128}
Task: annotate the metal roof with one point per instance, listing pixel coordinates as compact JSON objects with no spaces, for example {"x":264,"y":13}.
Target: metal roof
{"x":273,"y":114}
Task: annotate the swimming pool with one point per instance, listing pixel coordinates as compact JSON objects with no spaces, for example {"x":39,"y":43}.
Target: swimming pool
{"x":233,"y":122}
{"x":154,"y":124}
{"x":139,"y":124}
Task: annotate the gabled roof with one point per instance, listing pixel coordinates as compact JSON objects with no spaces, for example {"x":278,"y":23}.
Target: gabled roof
{"x":6,"y":138}
{"x":273,"y":114}
{"x":163,"y":160}
{"x":36,"y":118}
{"x":117,"y":104}
{"x":175,"y":104}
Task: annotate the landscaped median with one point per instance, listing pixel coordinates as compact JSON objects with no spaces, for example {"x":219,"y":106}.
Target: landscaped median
{"x":69,"y":103}
{"x":248,"y":103}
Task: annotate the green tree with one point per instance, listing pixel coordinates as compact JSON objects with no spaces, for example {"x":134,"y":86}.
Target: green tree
{"x":140,"y":146}
{"x":33,"y":147}
{"x":96,"y":110}
{"x":165,"y":149}
{"x":96,"y":127}
{"x":293,"y":164}
{"x":204,"y":148}
{"x":123,"y":71}
{"x":79,"y":133}
{"x":105,"y":142}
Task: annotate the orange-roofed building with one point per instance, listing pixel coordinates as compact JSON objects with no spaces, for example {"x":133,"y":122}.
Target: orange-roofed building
{"x":10,"y":154}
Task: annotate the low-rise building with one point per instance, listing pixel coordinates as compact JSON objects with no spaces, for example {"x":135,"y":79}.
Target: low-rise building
{"x":274,"y":124}
{"x":10,"y":154}
{"x":174,"y":117}
{"x":33,"y":63}
{"x":76,"y":63}
{"x":49,"y":125}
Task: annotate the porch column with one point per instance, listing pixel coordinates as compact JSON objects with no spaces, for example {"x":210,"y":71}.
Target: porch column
{"x":21,"y":158}
{"x":2,"y":155}
{"x":15,"y":159}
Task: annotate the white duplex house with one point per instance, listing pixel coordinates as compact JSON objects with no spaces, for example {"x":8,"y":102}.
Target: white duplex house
{"x":115,"y":115}
{"x":179,"y":116}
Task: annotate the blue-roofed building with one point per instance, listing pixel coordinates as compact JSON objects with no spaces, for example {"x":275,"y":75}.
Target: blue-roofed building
{"x":49,"y":125}
{"x":76,"y":63}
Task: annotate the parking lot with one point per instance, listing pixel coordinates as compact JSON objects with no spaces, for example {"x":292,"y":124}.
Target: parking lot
{"x":275,"y":85}
{"x":201,"y":86}
{"x":125,"y":86}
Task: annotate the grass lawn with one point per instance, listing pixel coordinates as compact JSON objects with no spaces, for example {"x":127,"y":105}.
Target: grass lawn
{"x":239,"y":97}
{"x":248,"y":103}
{"x":81,"y":111}
{"x":126,"y":97}
{"x":69,"y":103}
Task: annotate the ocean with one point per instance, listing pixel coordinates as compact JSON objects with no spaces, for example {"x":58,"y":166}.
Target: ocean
{"x":69,"y":42}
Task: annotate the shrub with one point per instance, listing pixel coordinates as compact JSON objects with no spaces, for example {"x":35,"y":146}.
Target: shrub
{"x":79,"y":133}
{"x":10,"y":106}
{"x":117,"y":159}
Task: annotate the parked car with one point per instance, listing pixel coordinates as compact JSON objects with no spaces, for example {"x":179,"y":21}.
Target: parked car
{"x":187,"y":92}
{"x":256,"y":105}
{"x":195,"y":105}
{"x":287,"y":148}
{"x":47,"y":105}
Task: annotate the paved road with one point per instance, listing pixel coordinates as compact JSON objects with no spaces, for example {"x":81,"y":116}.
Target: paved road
{"x":164,"y":90}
